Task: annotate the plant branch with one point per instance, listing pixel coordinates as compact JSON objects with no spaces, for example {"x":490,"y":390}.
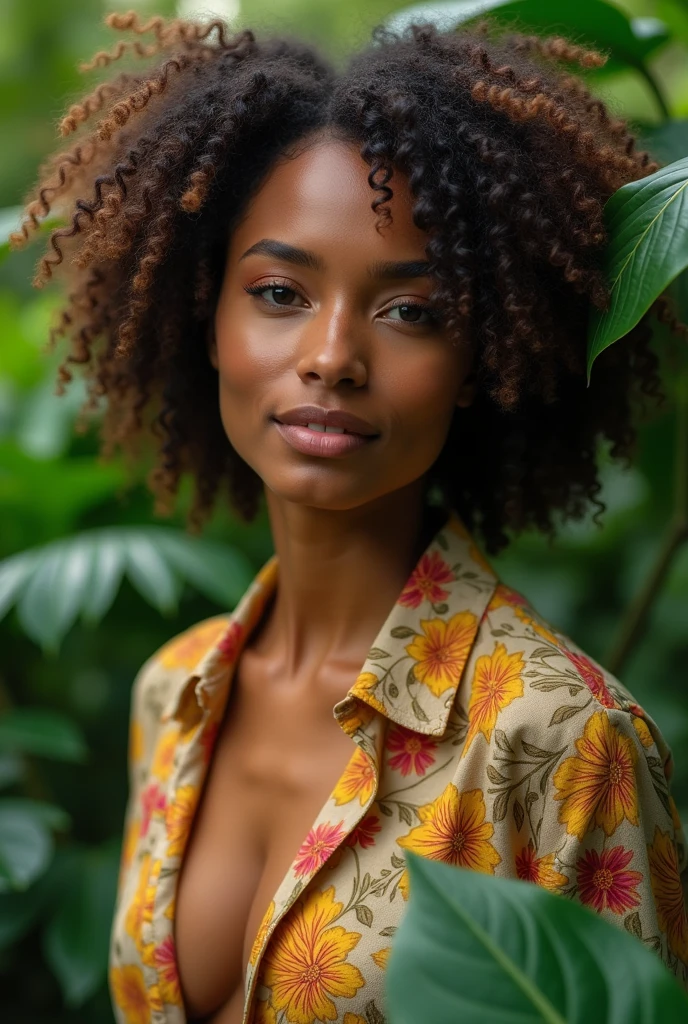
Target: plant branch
{"x":634,"y":623}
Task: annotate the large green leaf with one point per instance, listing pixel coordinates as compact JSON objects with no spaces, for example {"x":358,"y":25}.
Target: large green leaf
{"x":472,"y":947}
{"x":76,"y":939}
{"x":592,"y":23}
{"x":43,"y":733}
{"x":26,"y":845}
{"x":647,"y":221}
{"x":80,"y":575}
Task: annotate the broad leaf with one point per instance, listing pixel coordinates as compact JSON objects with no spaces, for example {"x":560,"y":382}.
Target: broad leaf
{"x":43,"y":733}
{"x":647,"y":222}
{"x":472,"y":947}
{"x":80,"y":575}
{"x":26,"y":846}
{"x":590,"y":23}
{"x":76,"y":940}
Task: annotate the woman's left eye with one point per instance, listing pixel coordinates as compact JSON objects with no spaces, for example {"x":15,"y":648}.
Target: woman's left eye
{"x":412,"y":313}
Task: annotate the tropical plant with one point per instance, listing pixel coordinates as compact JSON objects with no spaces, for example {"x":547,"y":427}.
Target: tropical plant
{"x":76,"y":553}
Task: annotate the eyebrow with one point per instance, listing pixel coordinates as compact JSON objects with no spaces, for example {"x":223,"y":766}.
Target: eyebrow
{"x":388,"y":269}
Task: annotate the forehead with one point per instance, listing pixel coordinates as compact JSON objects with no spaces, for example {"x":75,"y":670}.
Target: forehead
{"x":321,"y":199}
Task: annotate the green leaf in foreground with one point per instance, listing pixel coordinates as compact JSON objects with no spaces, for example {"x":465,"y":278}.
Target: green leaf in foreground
{"x":472,"y":947}
{"x":647,"y":221}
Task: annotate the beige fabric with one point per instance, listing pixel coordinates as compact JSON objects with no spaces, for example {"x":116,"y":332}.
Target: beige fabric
{"x":481,"y":737}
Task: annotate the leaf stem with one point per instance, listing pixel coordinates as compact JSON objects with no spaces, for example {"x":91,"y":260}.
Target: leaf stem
{"x":635,"y":621}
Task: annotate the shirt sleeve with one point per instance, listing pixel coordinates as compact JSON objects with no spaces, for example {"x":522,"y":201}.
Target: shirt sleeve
{"x":610,"y":829}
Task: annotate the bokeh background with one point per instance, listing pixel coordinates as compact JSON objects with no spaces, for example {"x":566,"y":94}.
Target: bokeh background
{"x":91,"y":583}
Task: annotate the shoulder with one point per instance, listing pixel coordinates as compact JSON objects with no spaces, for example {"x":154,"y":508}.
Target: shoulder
{"x":169,"y":667}
{"x":558,"y":683}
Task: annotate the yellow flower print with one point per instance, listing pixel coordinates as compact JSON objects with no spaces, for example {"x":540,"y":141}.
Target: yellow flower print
{"x":363,"y":687}
{"x":149,"y":892}
{"x":441,"y":653}
{"x":644,"y":734}
{"x":598,"y":786}
{"x":354,"y":1018}
{"x":262,"y":931}
{"x":668,"y":893}
{"x":133,"y":920}
{"x":539,"y":870}
{"x":358,"y":780}
{"x":497,"y":681}
{"x":129,"y":846}
{"x":178,"y":818}
{"x":382,"y":956}
{"x":187,"y":649}
{"x":305,"y":964}
{"x":130,"y":994}
{"x":453,"y":829}
{"x":163,"y":758}
{"x":188,"y":713}
{"x":135,"y":741}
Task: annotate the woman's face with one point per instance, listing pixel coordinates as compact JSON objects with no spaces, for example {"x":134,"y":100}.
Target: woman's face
{"x":319,"y":309}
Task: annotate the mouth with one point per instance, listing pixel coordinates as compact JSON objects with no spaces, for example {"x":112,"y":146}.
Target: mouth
{"x":316,"y":439}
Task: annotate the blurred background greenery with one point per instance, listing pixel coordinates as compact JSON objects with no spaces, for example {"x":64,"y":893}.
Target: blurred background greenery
{"x":92,"y":584}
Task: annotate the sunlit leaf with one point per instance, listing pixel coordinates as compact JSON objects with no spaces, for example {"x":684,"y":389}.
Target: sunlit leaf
{"x":150,"y":573}
{"x":80,"y":575}
{"x":217,"y":570}
{"x":647,"y":222}
{"x":42,"y":732}
{"x":476,"y":947}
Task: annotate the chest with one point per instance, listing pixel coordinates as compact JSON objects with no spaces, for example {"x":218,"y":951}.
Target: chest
{"x":275,"y":761}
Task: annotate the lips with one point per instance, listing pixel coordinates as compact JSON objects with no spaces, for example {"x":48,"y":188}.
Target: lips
{"x":302,"y":415}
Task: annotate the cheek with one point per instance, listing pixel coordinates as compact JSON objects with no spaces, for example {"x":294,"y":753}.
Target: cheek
{"x":423,"y":398}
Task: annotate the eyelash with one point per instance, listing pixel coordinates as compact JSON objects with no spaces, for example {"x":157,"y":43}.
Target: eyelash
{"x":260,"y":289}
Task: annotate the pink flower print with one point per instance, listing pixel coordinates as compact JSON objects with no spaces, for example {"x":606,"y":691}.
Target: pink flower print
{"x":152,"y":802}
{"x":592,"y":677}
{"x":424,"y":582}
{"x":320,"y":842}
{"x":604,"y":883}
{"x":364,"y":833}
{"x":412,"y":750}
{"x":231,"y":641}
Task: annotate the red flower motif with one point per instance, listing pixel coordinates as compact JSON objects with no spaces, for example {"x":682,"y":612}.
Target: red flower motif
{"x":320,"y":842}
{"x":364,"y":833}
{"x":152,"y":802}
{"x":228,"y":646}
{"x":592,"y":677}
{"x":412,"y":750}
{"x":424,"y":582}
{"x":603,"y":882}
{"x":208,"y":737}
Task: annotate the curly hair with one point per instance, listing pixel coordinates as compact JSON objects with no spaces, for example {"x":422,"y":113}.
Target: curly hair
{"x":509,"y":160}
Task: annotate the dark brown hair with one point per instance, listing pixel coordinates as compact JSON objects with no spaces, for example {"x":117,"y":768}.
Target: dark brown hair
{"x":510,"y":160}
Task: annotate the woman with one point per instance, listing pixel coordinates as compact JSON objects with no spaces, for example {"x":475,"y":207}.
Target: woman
{"x":363,"y":294}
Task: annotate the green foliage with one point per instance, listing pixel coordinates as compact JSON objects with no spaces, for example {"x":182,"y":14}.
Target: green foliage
{"x":76,"y":552}
{"x":647,"y":221}
{"x":474,"y":947}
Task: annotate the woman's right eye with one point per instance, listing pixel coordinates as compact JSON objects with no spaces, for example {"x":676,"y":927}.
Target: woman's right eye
{"x":281,"y":294}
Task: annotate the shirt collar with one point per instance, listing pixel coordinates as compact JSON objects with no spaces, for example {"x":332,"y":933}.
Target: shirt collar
{"x":415,"y":664}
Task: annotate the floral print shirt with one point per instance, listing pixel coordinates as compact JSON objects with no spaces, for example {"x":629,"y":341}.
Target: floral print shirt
{"x":481,"y":737}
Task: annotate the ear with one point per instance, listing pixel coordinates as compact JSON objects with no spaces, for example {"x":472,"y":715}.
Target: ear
{"x":211,"y":344}
{"x":466,"y":393}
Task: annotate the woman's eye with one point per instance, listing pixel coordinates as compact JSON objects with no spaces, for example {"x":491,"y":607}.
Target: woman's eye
{"x":411,"y":313}
{"x":281,"y":295}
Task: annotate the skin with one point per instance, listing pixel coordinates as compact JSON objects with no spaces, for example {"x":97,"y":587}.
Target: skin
{"x":347,"y":531}
{"x":335,"y":339}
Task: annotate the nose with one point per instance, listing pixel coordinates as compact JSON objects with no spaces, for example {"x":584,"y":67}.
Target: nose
{"x":333,"y":348}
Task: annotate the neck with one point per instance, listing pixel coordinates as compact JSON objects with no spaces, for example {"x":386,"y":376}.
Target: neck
{"x":340,"y":572}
